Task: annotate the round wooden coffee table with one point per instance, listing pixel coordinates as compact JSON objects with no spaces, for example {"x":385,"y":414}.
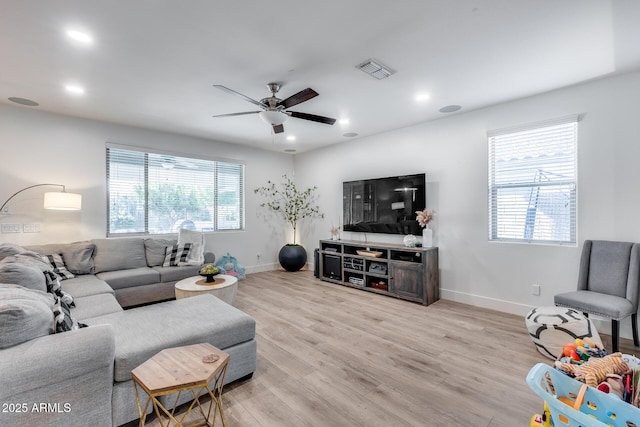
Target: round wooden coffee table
{"x":224,"y":287}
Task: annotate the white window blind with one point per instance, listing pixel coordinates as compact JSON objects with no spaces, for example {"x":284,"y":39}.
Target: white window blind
{"x":532,"y":182}
{"x":154,"y":193}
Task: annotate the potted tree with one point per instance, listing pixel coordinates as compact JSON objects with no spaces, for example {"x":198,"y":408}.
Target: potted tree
{"x":293,"y":205}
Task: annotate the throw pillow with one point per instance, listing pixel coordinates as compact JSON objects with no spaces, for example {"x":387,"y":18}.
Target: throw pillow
{"x":176,"y":255}
{"x":155,"y":250}
{"x":30,"y":258}
{"x":24,"y":274}
{"x":79,"y":257}
{"x":54,"y":288}
{"x":8,"y":249}
{"x":196,"y":238}
{"x":64,"y":320}
{"x":56,"y":261}
{"x":25,"y":314}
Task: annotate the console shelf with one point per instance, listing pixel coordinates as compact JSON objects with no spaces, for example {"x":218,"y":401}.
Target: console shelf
{"x":393,"y":270}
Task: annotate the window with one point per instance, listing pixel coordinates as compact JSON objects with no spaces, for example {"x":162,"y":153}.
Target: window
{"x":153,"y":193}
{"x":532,"y":182}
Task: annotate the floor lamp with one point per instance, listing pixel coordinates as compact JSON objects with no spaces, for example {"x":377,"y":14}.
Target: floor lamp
{"x":58,"y":200}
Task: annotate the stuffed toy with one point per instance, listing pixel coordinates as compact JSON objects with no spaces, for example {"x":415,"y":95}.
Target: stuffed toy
{"x":595,"y":370}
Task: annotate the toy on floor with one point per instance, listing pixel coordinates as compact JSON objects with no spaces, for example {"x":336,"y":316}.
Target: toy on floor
{"x":231,"y":266}
{"x":543,"y":420}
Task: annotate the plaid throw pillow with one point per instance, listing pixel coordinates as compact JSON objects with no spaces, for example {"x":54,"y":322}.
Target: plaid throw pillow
{"x":176,"y":255}
{"x":63,"y":318}
{"x":56,"y":261}
{"x":53,"y":287}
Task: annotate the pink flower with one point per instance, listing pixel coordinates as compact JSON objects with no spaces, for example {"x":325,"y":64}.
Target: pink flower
{"x":424,"y":217}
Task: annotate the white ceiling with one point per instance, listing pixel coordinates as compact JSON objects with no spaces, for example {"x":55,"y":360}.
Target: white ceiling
{"x":153,"y":62}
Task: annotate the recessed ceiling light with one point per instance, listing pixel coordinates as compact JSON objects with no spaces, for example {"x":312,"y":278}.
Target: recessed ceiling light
{"x":79,"y":36}
{"x":291,"y":138}
{"x":450,"y":109}
{"x":343,"y":121}
{"x":421,"y":97}
{"x":23,"y":101}
{"x":350,"y":134}
{"x":78,"y":90}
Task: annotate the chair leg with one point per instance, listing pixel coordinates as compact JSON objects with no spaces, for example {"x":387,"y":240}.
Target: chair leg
{"x":634,"y":327}
{"x":615,"y":335}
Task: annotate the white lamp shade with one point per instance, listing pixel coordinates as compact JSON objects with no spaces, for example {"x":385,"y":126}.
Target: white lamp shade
{"x":273,"y":117}
{"x":62,"y":201}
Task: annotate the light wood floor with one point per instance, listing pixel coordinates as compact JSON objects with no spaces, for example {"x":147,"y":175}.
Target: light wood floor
{"x":329,"y":355}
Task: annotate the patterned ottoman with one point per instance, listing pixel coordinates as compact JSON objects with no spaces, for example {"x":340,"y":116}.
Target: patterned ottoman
{"x":551,"y":328}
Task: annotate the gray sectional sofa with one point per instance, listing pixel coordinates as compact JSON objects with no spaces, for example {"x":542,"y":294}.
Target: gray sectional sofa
{"x":83,"y":377}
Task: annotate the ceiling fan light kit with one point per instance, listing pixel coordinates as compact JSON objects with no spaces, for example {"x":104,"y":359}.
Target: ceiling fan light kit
{"x":273,"y":118}
{"x":274,"y":109}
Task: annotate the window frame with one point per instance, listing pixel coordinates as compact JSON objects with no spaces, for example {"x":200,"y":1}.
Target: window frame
{"x":493,"y":206}
{"x":217,"y":162}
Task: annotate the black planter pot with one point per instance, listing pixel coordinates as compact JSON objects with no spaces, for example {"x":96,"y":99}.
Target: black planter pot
{"x":292,"y":257}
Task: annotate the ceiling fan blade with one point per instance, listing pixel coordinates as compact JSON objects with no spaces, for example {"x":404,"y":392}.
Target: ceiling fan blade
{"x":278,"y":128}
{"x":303,"y":95}
{"x":236,"y":114}
{"x":233,"y":92}
{"x":312,"y":117}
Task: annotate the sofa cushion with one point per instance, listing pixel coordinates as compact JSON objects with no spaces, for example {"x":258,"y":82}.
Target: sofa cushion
{"x":86,"y":284}
{"x":56,"y":261}
{"x":94,"y":306}
{"x":196,"y":238}
{"x":121,"y":253}
{"x":155,"y":250}
{"x":25,"y":314}
{"x":128,"y":278}
{"x":173,"y":274}
{"x":22,"y":274}
{"x":78,"y":256}
{"x":144,"y":331}
{"x":176,"y":255}
{"x":8,"y":249}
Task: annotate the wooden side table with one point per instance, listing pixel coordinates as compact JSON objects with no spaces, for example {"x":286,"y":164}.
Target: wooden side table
{"x":224,"y":287}
{"x":177,"y":370}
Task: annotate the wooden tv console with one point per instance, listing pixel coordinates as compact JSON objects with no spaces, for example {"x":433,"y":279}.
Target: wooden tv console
{"x":388,"y":269}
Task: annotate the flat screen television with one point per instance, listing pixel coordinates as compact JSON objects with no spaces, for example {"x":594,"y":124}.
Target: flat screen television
{"x":384,"y":205}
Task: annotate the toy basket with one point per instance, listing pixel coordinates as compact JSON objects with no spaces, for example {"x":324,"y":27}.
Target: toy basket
{"x":594,"y":408}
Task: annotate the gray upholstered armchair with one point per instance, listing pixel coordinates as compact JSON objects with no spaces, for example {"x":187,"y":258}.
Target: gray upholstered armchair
{"x":608,"y":283}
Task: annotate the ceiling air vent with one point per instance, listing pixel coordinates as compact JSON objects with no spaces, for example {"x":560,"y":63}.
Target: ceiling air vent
{"x":375,"y":69}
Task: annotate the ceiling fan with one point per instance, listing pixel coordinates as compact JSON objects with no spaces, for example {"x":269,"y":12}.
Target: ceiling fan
{"x":274,"y":111}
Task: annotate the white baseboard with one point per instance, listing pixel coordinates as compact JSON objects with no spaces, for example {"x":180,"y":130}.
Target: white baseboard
{"x":602,"y":325}
{"x":486,"y":302}
{"x":259,"y":268}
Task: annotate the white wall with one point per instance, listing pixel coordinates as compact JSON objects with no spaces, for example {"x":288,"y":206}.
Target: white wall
{"x":39,"y":147}
{"x":453,"y":153}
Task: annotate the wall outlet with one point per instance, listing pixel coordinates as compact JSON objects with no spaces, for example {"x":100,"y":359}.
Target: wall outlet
{"x":31,"y":228}
{"x":11,"y":228}
{"x":535,"y":290}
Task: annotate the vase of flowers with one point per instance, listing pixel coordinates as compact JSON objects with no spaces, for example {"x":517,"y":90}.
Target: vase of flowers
{"x":424,"y":218}
{"x":293,"y":205}
{"x":335,"y":233}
